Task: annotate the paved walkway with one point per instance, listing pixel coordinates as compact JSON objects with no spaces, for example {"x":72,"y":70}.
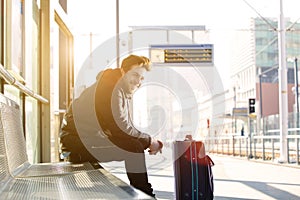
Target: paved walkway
{"x":235,"y":178}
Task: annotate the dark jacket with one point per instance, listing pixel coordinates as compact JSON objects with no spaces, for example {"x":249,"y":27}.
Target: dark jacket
{"x":113,"y":108}
{"x":112,"y":111}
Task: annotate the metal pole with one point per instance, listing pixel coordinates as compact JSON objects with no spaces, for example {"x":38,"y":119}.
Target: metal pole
{"x":296,"y":86}
{"x":91,"y":50}
{"x":250,"y":137}
{"x":234,"y":114}
{"x":296,"y":93}
{"x":260,"y":102}
{"x":297,"y":149}
{"x":117,"y":35}
{"x":283,"y":100}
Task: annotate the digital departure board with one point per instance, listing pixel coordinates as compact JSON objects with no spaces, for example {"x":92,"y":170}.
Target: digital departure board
{"x":193,"y":53}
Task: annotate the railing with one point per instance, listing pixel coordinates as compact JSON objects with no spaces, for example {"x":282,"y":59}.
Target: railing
{"x":13,"y":81}
{"x":257,"y":147}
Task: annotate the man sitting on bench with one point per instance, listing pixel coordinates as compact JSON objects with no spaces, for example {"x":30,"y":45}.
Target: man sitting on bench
{"x":98,"y":128}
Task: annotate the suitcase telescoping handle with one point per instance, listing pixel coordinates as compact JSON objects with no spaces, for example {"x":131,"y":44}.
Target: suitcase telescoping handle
{"x":201,"y":150}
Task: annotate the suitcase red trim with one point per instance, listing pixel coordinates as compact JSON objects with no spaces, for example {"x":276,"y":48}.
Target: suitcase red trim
{"x":192,"y":170}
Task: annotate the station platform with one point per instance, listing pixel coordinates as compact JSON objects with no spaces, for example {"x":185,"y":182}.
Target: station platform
{"x":235,"y":178}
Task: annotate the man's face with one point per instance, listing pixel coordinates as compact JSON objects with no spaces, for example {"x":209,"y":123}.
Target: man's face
{"x":133,"y":79}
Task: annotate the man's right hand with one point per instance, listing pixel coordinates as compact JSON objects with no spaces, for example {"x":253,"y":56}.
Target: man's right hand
{"x":155,"y":147}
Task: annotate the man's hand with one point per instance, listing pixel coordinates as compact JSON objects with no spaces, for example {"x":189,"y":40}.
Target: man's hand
{"x":155,"y":147}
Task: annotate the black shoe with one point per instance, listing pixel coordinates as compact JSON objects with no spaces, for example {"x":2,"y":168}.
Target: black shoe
{"x":146,"y":189}
{"x":140,"y":181}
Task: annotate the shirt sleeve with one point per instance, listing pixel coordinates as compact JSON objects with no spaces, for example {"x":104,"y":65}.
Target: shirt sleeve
{"x":122,"y":125}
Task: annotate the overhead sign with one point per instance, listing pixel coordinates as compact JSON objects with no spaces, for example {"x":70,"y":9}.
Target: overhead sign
{"x":191,"y":53}
{"x":240,"y":112}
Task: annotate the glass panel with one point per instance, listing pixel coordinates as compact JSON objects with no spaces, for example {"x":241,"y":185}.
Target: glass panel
{"x":61,"y":80}
{"x":13,"y":43}
{"x":17,"y":36}
{"x":32,"y":79}
{"x":1,"y":33}
{"x":31,"y":128}
{"x":63,"y":69}
{"x":54,"y":98}
{"x":61,"y":84}
{"x":12,"y":93}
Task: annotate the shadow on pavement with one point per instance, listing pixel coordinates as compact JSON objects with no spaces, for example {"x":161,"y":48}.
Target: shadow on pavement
{"x":232,"y":198}
{"x":266,"y":188}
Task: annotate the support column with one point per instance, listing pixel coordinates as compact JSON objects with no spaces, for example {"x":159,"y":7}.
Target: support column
{"x":283,"y":93}
{"x":45,"y":81}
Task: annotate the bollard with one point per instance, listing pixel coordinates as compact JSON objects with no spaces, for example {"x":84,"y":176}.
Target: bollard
{"x":273,"y":154}
{"x":263,"y":146}
{"x":217,"y":142}
{"x":233,"y":153}
{"x":254,"y":148}
{"x":222,"y":146}
{"x":228,"y":146}
{"x":240,"y":146}
{"x":288,"y":150}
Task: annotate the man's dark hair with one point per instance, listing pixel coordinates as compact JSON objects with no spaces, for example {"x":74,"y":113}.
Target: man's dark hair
{"x":132,"y":60}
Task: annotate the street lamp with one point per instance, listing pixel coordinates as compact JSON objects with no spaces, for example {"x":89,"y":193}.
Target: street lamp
{"x":282,"y":76}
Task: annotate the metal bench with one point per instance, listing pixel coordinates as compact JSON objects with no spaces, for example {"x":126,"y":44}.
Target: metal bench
{"x":21,"y":180}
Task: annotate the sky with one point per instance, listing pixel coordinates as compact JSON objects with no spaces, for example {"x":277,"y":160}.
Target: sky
{"x":221,"y":18}
{"x":216,"y":14}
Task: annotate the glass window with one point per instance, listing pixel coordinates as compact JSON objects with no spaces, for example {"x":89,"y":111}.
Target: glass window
{"x":1,"y":33}
{"x":17,"y":36}
{"x":31,"y":75}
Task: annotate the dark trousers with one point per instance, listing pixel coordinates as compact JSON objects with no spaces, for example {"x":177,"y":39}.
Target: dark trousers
{"x":130,"y":151}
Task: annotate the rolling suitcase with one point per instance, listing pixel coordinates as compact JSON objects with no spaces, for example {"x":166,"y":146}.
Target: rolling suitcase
{"x":192,"y":170}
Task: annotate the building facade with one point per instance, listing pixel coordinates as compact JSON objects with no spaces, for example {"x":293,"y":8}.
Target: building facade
{"x":255,"y":70}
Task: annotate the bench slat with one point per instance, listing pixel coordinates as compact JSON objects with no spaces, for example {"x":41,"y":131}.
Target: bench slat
{"x":94,"y":184}
{"x":52,"y":169}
